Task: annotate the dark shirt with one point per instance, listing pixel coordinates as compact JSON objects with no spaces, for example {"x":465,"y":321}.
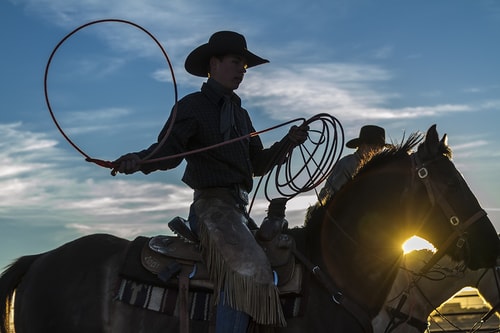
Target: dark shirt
{"x":197,"y":125}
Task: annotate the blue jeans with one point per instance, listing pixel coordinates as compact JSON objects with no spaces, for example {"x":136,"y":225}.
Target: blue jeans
{"x":229,"y":320}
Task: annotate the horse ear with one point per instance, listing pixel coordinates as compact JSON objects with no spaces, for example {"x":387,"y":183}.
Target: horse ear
{"x":430,"y":146}
{"x":432,"y":135}
{"x":444,"y":141}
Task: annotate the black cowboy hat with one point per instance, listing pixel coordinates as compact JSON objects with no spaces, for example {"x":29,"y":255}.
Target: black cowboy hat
{"x":220,"y":43}
{"x":369,"y":134}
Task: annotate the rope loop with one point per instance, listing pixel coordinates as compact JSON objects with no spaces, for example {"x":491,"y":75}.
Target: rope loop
{"x":88,"y":158}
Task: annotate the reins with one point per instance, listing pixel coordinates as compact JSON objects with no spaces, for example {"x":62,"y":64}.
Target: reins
{"x":336,"y":294}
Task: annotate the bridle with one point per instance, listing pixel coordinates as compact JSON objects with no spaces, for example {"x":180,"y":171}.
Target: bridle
{"x":420,"y":172}
{"x":458,"y":235}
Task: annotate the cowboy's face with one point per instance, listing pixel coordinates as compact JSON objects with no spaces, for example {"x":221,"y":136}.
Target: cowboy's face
{"x":228,"y":70}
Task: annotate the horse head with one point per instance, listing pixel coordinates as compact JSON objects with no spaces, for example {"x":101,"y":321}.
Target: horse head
{"x":399,"y":193}
{"x":467,"y":233}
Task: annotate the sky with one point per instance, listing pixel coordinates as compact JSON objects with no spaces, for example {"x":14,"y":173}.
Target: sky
{"x":402,"y":65}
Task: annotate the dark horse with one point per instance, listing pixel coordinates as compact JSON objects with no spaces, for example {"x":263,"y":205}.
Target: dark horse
{"x":352,"y":240}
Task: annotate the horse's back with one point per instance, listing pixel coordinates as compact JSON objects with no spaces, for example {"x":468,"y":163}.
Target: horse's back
{"x":76,"y":282}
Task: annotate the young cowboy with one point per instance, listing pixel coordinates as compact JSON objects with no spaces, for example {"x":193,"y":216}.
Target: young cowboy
{"x":221,"y":179}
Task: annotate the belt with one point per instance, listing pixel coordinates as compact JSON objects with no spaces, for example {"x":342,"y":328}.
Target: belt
{"x":237,"y":191}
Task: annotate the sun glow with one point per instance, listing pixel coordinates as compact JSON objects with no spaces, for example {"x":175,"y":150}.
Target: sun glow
{"x":417,"y":243}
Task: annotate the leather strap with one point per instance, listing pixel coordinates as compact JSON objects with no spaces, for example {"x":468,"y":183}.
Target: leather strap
{"x":351,"y":306}
{"x":184,"y":301}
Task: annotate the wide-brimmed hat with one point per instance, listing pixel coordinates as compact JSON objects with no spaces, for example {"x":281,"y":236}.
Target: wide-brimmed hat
{"x":220,"y":43}
{"x":369,"y":134}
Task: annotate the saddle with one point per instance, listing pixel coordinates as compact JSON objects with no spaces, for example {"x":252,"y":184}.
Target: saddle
{"x":172,"y":258}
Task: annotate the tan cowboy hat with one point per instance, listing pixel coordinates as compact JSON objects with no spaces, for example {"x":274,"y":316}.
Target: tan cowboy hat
{"x":220,"y":43}
{"x":369,"y":134}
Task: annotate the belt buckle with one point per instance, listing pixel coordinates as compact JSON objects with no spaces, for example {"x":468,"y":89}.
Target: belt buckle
{"x":242,"y":194}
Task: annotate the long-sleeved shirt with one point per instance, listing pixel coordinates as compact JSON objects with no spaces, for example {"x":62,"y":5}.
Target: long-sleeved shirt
{"x":197,"y":125}
{"x":342,"y":172}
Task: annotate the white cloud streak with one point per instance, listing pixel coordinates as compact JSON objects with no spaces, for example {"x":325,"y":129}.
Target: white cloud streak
{"x":40,"y":177}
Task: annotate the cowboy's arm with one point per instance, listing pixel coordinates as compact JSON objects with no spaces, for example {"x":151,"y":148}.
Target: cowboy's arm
{"x":175,"y":143}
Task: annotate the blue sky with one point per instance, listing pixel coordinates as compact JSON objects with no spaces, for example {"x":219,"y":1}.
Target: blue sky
{"x":403,"y":65}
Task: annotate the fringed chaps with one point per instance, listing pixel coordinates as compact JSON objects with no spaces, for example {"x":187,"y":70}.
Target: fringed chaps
{"x":236,"y":263}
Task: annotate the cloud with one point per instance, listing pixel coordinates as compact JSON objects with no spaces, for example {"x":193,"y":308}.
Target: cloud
{"x":42,"y":178}
{"x":92,"y":120}
{"x":349,"y":91}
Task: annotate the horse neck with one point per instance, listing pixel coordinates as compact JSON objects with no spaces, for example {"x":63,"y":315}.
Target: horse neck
{"x":347,"y":254}
{"x":362,"y":233}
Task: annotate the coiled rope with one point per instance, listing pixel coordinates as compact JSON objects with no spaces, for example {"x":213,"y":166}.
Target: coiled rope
{"x":292,"y":176}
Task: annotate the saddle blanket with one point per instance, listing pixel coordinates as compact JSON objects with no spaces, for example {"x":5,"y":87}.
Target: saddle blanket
{"x":164,"y":300}
{"x":200,"y":303}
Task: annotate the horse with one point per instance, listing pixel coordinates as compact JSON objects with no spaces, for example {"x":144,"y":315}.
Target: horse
{"x":349,"y":248}
{"x":413,"y":296}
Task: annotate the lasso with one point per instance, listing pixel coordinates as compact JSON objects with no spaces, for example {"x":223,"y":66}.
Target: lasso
{"x":325,"y":136}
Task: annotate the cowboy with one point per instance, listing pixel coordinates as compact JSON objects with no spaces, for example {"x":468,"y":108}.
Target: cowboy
{"x":370,"y":141}
{"x":221,"y":179}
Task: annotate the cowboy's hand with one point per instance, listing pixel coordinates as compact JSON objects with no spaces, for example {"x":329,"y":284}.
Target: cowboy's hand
{"x":298,"y":134}
{"x":127,"y":164}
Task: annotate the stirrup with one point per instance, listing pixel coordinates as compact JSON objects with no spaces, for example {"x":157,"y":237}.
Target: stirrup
{"x":181,"y":228}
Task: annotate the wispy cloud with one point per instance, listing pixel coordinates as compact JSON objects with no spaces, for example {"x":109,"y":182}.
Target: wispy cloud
{"x":42,"y":178}
{"x":347,"y":90}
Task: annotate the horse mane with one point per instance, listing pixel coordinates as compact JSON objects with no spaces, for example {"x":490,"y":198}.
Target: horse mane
{"x":394,"y":151}
{"x":372,"y":161}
